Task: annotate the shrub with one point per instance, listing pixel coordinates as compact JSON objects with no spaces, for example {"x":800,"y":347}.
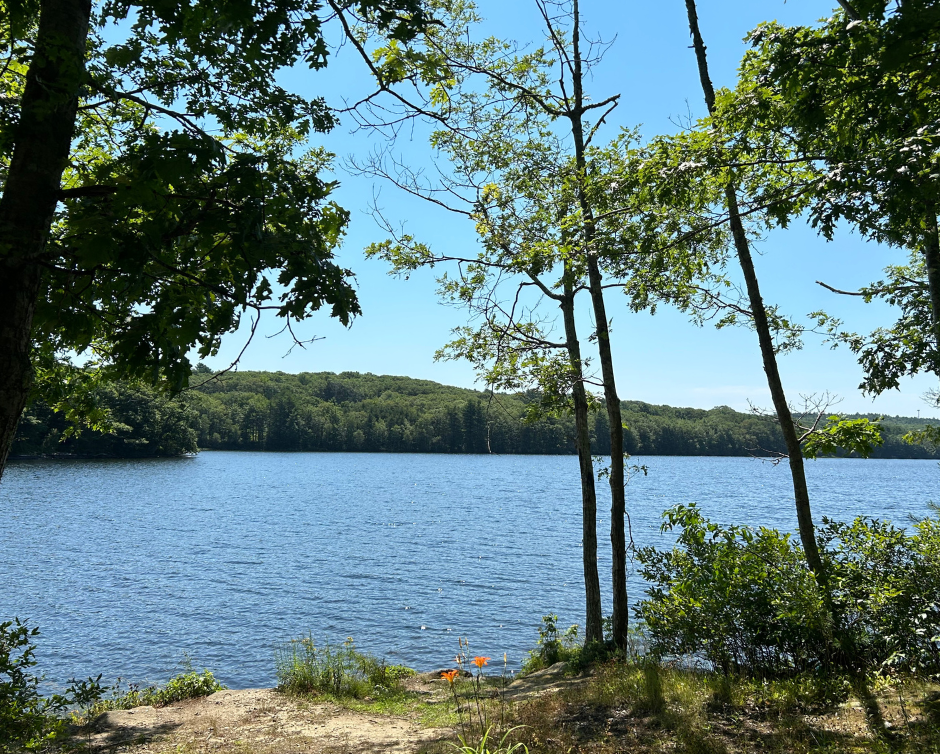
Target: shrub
{"x":341,"y":671}
{"x":886,"y":592}
{"x":186,"y":685}
{"x":744,"y":599}
{"x":735,"y":597}
{"x":552,"y":646}
{"x":29,"y":721}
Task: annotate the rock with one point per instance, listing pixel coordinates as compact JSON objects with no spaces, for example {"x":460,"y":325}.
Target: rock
{"x":549,"y":679}
{"x":436,"y":675}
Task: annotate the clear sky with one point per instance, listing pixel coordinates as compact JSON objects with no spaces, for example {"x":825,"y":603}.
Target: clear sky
{"x":658,"y":359}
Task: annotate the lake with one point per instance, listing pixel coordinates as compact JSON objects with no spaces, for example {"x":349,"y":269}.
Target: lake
{"x":129,"y":566}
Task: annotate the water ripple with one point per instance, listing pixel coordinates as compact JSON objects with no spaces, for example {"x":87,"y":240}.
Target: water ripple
{"x":127,"y":565}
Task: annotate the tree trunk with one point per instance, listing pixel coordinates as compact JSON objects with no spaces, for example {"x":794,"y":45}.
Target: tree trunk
{"x":764,"y":336}
{"x":932,"y":263}
{"x":618,"y":540}
{"x":618,"y":504}
{"x":594,"y":629}
{"x":42,"y":142}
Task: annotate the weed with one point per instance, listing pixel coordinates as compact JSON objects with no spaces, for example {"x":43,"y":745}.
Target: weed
{"x":552,"y":645}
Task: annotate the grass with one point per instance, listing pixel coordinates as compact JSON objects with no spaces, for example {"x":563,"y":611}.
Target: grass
{"x":643,"y":706}
{"x":360,"y":682}
{"x":621,"y":705}
{"x":340,"y":672}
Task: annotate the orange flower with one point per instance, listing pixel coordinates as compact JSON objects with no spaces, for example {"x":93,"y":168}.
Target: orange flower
{"x":450,"y":675}
{"x":480,"y":661}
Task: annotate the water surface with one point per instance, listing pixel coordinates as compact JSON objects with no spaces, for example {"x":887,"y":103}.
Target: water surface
{"x":127,"y":565}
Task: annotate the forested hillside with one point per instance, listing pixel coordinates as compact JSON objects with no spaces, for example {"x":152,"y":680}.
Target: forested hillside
{"x":378,"y":413}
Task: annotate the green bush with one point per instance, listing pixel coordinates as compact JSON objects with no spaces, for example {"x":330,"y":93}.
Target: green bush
{"x":28,"y":721}
{"x":886,"y":592}
{"x":340,"y":671}
{"x":186,"y":685}
{"x":744,"y":599}
{"x":735,"y":597}
{"x":552,"y":646}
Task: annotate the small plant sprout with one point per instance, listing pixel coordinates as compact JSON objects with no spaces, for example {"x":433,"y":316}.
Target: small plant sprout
{"x":483,"y":747}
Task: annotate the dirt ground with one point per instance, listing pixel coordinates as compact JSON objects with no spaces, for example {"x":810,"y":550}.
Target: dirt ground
{"x":263,"y":721}
{"x":255,"y":721}
{"x":560,"y":715}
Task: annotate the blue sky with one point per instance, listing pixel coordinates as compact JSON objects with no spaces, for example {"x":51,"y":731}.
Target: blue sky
{"x":658,"y":359}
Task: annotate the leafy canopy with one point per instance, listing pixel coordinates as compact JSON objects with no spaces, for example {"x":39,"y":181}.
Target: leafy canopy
{"x":191,"y":196}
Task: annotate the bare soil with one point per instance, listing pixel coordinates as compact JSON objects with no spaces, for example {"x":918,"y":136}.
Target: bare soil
{"x":255,"y":721}
{"x":264,"y":721}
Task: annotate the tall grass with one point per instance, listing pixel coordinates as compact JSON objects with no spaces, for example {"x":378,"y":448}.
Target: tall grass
{"x":340,"y":671}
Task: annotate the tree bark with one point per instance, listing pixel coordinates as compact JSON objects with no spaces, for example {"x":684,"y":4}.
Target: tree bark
{"x":618,"y":541}
{"x":764,"y":336}
{"x":42,"y":143}
{"x":932,"y":263}
{"x":594,"y":629}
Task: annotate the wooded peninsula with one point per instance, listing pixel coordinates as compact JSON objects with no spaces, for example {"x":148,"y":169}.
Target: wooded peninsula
{"x":352,"y":412}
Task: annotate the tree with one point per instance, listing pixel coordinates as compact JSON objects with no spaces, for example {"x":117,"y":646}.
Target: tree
{"x":523,"y":168}
{"x":523,"y":250}
{"x":716,"y":162}
{"x":758,"y":315}
{"x":510,"y":175}
{"x":856,"y":97}
{"x":151,"y":192}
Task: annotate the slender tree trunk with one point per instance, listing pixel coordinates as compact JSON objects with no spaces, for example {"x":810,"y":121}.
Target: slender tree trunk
{"x":594,"y":630}
{"x":30,"y":193}
{"x":932,"y":263}
{"x":618,"y":541}
{"x":764,"y":336}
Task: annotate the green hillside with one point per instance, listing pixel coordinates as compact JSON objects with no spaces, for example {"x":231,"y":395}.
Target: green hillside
{"x":323,"y":411}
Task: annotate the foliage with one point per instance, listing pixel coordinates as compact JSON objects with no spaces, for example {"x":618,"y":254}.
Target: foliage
{"x":380,"y":413}
{"x":187,"y":685}
{"x":838,"y":435}
{"x":906,"y":348}
{"x":929,"y":435}
{"x":886,"y":585}
{"x":737,"y":598}
{"x":135,"y":420}
{"x":853,"y":100}
{"x":552,"y":645}
{"x":339,"y":671}
{"x":743,"y":600}
{"x":191,"y":195}
{"x":858,"y":94}
{"x":29,"y":721}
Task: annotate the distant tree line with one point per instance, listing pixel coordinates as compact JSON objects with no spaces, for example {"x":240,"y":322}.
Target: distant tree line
{"x":323,"y":411}
{"x":141,"y":423}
